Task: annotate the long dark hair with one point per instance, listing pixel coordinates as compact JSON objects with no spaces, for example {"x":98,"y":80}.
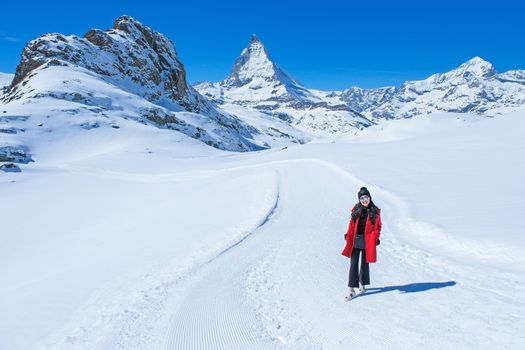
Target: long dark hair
{"x":358,"y":208}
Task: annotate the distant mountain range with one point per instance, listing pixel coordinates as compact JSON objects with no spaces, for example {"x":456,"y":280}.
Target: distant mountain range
{"x":258,"y":83}
{"x":133,"y":72}
{"x":473,"y":87}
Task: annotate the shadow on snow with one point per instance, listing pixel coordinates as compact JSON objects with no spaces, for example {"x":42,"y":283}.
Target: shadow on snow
{"x":411,"y":288}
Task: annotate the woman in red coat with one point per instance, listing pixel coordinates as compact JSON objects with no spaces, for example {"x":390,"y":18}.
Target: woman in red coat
{"x":362,"y":237}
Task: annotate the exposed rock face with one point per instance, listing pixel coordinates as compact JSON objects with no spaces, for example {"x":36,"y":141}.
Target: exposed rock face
{"x":16,"y":154}
{"x":362,"y":100}
{"x":10,"y":168}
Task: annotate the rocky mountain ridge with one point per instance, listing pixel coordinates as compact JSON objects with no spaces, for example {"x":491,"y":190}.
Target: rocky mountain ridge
{"x":128,"y":71}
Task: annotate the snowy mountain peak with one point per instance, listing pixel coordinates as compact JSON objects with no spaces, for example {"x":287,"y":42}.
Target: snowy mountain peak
{"x":254,"y":62}
{"x":143,"y":35}
{"x":130,"y":55}
{"x":478,"y":67}
{"x":126,"y":22}
{"x":255,"y":66}
{"x":254,"y":38}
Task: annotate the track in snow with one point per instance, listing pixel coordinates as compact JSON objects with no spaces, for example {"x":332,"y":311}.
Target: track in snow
{"x":216,"y":310}
{"x":214,"y":313}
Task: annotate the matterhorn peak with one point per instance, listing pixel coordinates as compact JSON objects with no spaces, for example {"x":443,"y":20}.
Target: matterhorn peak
{"x":257,"y":51}
{"x":254,"y":66}
{"x":253,"y":63}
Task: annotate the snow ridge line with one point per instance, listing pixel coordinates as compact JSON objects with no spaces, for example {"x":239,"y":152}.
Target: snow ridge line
{"x":261,"y":223}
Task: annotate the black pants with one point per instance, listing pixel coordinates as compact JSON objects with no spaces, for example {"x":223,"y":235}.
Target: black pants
{"x":364,"y":272}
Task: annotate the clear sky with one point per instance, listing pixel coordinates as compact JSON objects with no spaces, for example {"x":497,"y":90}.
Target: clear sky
{"x":324,"y":44}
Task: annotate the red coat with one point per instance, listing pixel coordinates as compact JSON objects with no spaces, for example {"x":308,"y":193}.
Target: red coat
{"x":372,"y":233}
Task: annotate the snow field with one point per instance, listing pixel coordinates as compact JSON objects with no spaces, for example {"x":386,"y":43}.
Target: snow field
{"x":173,"y":245}
{"x":109,"y":241}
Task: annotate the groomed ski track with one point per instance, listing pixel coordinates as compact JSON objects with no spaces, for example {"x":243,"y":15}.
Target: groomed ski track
{"x":283,"y":285}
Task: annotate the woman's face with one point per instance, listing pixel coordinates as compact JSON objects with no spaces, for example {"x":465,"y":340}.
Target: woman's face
{"x":365,"y":200}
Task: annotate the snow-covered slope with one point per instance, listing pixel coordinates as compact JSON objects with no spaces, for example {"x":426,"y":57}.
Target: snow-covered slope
{"x":129,"y":72}
{"x":5,"y":80}
{"x":473,"y":87}
{"x":257,"y":83}
{"x":147,"y":239}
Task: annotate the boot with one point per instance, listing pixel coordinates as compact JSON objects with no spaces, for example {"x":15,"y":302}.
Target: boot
{"x":350,"y":295}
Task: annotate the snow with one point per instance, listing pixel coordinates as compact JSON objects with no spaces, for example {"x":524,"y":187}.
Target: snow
{"x":255,"y":77}
{"x":77,"y":98}
{"x":142,"y":238}
{"x":6,"y":79}
{"x":473,"y":87}
{"x":460,"y":159}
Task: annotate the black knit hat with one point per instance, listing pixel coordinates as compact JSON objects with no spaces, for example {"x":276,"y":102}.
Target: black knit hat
{"x":363,"y":192}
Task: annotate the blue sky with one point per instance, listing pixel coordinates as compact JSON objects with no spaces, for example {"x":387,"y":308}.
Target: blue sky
{"x":323,"y":44}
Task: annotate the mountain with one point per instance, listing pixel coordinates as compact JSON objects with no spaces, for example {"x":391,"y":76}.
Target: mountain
{"x":128,"y":72}
{"x":255,"y":74}
{"x":259,"y":85}
{"x":473,"y":87}
{"x":362,"y":100}
{"x":512,"y":76}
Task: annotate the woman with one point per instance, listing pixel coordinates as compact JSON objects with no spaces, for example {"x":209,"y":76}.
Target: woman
{"x":361,"y":239}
